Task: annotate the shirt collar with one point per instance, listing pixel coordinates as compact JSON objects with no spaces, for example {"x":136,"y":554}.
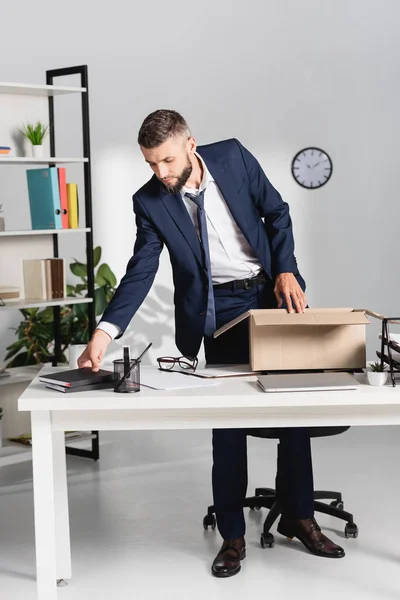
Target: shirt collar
{"x":207,"y":178}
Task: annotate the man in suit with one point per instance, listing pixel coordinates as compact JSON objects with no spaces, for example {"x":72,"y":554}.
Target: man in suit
{"x":230,"y":240}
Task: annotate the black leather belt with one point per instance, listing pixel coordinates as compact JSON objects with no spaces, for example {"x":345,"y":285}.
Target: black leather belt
{"x":242,"y":284}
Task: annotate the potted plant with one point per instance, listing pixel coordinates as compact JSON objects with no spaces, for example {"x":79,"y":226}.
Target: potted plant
{"x":1,"y":427}
{"x":377,"y":375}
{"x":35,"y":133}
{"x":2,"y":223}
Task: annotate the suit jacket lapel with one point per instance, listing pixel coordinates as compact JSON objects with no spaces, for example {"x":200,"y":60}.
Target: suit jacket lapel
{"x":178,"y":211}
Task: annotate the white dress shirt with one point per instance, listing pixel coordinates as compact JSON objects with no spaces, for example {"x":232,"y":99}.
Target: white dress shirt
{"x":230,"y":253}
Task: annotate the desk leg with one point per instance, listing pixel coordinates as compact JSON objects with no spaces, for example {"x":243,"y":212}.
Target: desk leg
{"x":44,"y":503}
{"x":63,"y":544}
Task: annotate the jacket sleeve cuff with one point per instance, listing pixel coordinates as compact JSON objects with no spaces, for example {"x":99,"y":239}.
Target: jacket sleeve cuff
{"x":289,"y":266}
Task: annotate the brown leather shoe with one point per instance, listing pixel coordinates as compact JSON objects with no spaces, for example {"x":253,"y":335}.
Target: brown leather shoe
{"x":227,"y":561}
{"x":309,"y":533}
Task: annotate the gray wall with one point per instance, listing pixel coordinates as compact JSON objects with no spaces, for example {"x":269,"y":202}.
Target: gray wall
{"x":277,"y":74}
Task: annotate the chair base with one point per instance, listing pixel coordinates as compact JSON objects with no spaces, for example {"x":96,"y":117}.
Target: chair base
{"x":266,"y":498}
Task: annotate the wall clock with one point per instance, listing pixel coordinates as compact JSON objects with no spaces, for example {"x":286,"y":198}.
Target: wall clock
{"x":312,"y":168}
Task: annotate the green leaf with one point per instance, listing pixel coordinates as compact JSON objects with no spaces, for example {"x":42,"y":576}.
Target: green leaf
{"x":100,"y":301}
{"x":106,"y":273}
{"x":99,"y":280}
{"x":70,"y":290}
{"x":79,"y":310}
{"x":30,"y":312}
{"x":47,"y":315}
{"x":18,"y":343}
{"x":14,"y":349}
{"x":78,"y":269}
{"x":97,"y":255}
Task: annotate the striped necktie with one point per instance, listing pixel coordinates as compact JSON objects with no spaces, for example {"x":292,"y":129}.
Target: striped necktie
{"x":210,"y":324}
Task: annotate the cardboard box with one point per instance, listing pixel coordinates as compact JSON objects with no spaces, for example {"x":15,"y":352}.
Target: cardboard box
{"x":320,"y":338}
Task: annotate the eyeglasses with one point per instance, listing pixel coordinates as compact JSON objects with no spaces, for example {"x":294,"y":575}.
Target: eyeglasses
{"x":167,"y":363}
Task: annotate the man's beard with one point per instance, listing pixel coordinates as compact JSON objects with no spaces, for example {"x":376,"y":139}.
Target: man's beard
{"x":181,"y":180}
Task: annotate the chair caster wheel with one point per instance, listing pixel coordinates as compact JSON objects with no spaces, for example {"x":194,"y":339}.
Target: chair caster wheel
{"x":351,"y":530}
{"x":338,"y":504}
{"x":209,"y":521}
{"x":267,"y":540}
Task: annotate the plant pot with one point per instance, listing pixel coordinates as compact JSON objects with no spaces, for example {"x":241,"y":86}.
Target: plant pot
{"x":377,"y":378}
{"x":37,"y":151}
{"x":2,"y":224}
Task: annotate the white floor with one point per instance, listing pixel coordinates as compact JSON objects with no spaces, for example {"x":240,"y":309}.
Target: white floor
{"x":136,"y":523}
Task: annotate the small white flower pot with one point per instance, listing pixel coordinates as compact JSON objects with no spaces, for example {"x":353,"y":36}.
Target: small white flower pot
{"x":37,"y":151}
{"x":377,"y":378}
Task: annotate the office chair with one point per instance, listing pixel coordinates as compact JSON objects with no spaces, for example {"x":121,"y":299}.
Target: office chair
{"x":266,"y":497}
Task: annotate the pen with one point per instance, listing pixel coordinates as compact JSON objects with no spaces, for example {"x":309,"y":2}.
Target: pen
{"x":134,"y":362}
{"x":126,"y":360}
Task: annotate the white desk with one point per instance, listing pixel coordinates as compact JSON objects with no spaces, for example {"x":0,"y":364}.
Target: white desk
{"x":234,"y":403}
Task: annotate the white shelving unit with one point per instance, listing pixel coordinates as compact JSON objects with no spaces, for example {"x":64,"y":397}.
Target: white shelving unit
{"x":17,"y":244}
{"x":45,"y":91}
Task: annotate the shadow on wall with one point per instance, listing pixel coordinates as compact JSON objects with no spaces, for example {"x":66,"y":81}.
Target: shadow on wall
{"x":154,"y":322}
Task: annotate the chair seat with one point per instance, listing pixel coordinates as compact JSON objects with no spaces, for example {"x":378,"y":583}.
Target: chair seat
{"x":275,"y":432}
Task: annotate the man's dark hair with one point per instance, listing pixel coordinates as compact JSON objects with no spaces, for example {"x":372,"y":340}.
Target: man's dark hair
{"x":161,"y":125}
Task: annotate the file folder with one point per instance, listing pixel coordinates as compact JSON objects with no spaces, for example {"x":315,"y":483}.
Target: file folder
{"x":44,"y":198}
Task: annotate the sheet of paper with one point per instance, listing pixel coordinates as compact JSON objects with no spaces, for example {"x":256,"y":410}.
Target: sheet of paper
{"x":225,"y":371}
{"x":218,"y":371}
{"x":153,"y":378}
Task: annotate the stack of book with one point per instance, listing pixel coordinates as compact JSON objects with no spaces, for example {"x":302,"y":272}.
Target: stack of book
{"x":78,"y":380}
{"x":53,"y":202}
{"x":5,"y":150}
{"x":44,"y":278}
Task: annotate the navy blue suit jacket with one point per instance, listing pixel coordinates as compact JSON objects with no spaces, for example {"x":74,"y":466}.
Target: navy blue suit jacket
{"x":162,"y":218}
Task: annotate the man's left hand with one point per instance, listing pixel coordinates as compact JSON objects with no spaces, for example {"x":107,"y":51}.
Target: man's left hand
{"x":287,"y":288}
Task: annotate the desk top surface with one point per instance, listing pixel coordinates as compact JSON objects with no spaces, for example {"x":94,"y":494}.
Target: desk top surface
{"x":239,"y":392}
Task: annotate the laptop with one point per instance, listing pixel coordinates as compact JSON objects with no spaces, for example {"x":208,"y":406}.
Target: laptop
{"x":307,"y":382}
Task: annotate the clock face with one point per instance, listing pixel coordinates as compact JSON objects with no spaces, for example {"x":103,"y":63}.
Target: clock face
{"x":312,"y":168}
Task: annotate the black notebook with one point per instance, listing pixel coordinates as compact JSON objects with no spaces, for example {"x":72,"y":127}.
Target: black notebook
{"x":103,"y":385}
{"x":77,"y":377}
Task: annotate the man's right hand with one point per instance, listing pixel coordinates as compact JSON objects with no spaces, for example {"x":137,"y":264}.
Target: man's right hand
{"x":95,"y":350}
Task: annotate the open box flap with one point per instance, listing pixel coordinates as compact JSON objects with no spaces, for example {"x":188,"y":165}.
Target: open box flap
{"x":232,"y":323}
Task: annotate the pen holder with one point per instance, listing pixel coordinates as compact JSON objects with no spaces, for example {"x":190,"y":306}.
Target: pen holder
{"x":132,"y":382}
